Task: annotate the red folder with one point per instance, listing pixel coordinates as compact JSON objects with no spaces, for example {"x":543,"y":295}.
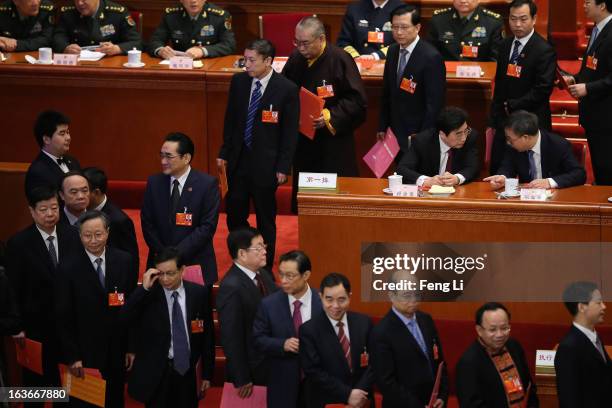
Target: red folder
{"x":310,"y":108}
{"x":436,"y":388}
{"x":30,"y":356}
{"x":489,"y":137}
{"x":562,"y":83}
{"x":381,"y":155}
{"x":193,"y":273}
{"x":223,"y":181}
{"x":230,"y":398}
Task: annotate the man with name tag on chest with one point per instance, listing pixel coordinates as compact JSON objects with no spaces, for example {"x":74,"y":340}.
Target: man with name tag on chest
{"x":259,"y":139}
{"x":537,"y":157}
{"x":592,"y":86}
{"x":181,"y":208}
{"x":103,"y":25}
{"x":525,"y":76}
{"x":91,"y":288}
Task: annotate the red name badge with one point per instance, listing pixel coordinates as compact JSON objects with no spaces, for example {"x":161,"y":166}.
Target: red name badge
{"x":184,"y":219}
{"x":364,"y":359}
{"x":513,"y":385}
{"x":376,"y":37}
{"x":408,"y":85}
{"x":197,"y":326}
{"x":325,"y":91}
{"x":269,"y":116}
{"x":436,"y":356}
{"x":469,"y":51}
{"x":514,"y":70}
{"x":591,"y":62}
{"x":116,"y":299}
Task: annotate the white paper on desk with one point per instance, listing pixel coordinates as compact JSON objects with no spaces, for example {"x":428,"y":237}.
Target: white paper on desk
{"x":2,"y":57}
{"x":87,"y":55}
{"x":196,"y":63}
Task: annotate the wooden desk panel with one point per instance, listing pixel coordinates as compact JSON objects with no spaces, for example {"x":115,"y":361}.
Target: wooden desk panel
{"x":360,"y":212}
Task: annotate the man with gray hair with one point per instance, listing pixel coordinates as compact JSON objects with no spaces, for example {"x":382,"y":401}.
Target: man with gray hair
{"x":91,"y":288}
{"x":329,"y":72}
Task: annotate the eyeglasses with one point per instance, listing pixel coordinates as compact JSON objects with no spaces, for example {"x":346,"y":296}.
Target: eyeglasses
{"x":98,"y":236}
{"x":167,"y":274}
{"x":257,"y":248}
{"x":304,"y":44}
{"x":288,"y":276}
{"x":464,"y":133}
{"x":168,"y":156}
{"x":493,"y":330}
{"x":397,"y":27}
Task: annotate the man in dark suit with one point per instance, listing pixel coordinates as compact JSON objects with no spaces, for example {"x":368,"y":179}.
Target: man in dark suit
{"x":25,"y":25}
{"x":239,"y":296}
{"x":334,"y":350}
{"x":445,"y":155}
{"x":172,"y":332}
{"x":122,"y":233}
{"x":414,"y":80}
{"x":259,"y":140}
{"x":53,"y":136}
{"x":583,"y":367}
{"x":32,"y":257}
{"x":524,"y":78}
{"x":407,"y":352}
{"x":91,"y":288}
{"x":536,"y":157}
{"x":181,"y":208}
{"x":276,"y":328}
{"x":493,"y":371}
{"x":593,"y":89}
{"x":74,"y":192}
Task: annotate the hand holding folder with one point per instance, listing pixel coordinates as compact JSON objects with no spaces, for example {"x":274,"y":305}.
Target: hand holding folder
{"x":382,"y":154}
{"x":310,"y":108}
{"x":91,"y":388}
{"x":436,"y":388}
{"x":30,"y":355}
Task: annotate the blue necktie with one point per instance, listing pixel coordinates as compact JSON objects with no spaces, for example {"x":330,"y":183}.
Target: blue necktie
{"x":179,"y":337}
{"x":515,"y":52}
{"x":533,"y":172}
{"x":418,"y":336}
{"x":253,"y":107}
{"x":100,"y":272}
{"x":593,"y":37}
{"x":403,"y":60}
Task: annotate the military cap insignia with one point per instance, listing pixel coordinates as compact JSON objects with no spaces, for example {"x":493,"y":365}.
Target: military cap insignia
{"x":492,"y":14}
{"x":130,"y":20}
{"x":442,"y":10}
{"x":228,"y":23}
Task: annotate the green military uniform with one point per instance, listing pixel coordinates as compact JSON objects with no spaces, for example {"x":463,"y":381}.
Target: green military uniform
{"x":449,"y":33}
{"x":31,"y":33}
{"x":211,"y":30}
{"x":110,"y":23}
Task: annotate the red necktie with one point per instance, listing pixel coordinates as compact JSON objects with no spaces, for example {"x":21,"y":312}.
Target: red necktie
{"x":344,"y":342}
{"x":297,"y":316}
{"x":449,"y":160}
{"x":260,"y":284}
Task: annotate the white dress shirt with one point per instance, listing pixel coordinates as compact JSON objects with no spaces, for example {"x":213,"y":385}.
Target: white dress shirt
{"x":444,"y":149}
{"x":55,"y":243}
{"x":306,"y":308}
{"x":248,"y":273}
{"x":62,"y":166}
{"x":93,"y":258}
{"x":336,"y":329}
{"x":264,"y":83}
{"x":523,"y":42}
{"x":182,"y":179}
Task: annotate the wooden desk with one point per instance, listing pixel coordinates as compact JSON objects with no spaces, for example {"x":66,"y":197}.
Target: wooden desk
{"x":360,"y":212}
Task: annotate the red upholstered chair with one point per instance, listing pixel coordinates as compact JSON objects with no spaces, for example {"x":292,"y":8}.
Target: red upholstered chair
{"x":581,"y":151}
{"x":567,"y":126}
{"x":280,"y":30}
{"x":137,"y":17}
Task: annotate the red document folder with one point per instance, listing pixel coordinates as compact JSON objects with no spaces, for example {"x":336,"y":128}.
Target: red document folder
{"x":436,"y":388}
{"x":382,"y":154}
{"x":310,"y":108}
{"x":30,"y":356}
{"x":230,"y":398}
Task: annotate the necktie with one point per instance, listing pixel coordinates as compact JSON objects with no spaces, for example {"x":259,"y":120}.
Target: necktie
{"x":403,"y":60}
{"x":253,"y":107}
{"x":344,"y":342}
{"x":533,"y":172}
{"x":449,"y":160}
{"x":61,"y":161}
{"x":593,"y":37}
{"x":52,"y":253}
{"x":174,"y":201}
{"x":297,"y":316}
{"x":418,"y":336}
{"x":100,"y":272}
{"x":260,"y":284}
{"x":600,"y":348}
{"x":515,"y":52}
{"x":179,"y":338}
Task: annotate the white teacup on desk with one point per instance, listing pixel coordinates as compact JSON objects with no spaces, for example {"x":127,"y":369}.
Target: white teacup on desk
{"x":134,"y":57}
{"x":511,"y":186}
{"x":45,"y":55}
{"x":395,"y":182}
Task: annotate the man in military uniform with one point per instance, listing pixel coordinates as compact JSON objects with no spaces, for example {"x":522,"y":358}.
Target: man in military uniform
{"x":198,"y":28}
{"x":100,"y":23}
{"x":466,"y":32}
{"x":25,"y":25}
{"x":366,"y":28}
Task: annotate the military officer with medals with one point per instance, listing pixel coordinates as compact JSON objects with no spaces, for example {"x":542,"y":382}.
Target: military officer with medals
{"x":366,"y":28}
{"x":102,"y":24}
{"x":466,"y":32}
{"x":198,"y":28}
{"x":25,"y":25}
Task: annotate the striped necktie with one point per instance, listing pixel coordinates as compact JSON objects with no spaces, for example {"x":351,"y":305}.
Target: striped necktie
{"x":253,"y":107}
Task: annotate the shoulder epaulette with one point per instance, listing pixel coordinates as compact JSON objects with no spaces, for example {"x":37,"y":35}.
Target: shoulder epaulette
{"x":46,"y":7}
{"x":172,"y":9}
{"x":492,"y":14}
{"x":67,"y":8}
{"x":442,"y":10}
{"x":216,"y":11}
{"x":116,"y":9}
{"x":5,"y":8}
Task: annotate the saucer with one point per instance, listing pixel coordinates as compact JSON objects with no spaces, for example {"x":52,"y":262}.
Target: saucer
{"x":513,"y":194}
{"x":387,"y":191}
{"x":50,"y":62}
{"x":138,"y":65}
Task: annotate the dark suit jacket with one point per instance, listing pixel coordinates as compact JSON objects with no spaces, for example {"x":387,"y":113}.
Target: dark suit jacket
{"x":88,"y":328}
{"x":557,"y":161}
{"x":237,"y":301}
{"x":122,"y":233}
{"x":273,"y":325}
{"x":408,"y":113}
{"x":9,"y":317}
{"x":583,"y":378}
{"x":32,"y":276}
{"x":530,"y":92}
{"x":327,"y":376}
{"x":45,"y":171}
{"x":147,"y":311}
{"x":273,"y":143}
{"x":201,"y":197}
{"x":423,"y":157}
{"x":403,"y":374}
{"x":595,"y":107}
{"x":479,"y":383}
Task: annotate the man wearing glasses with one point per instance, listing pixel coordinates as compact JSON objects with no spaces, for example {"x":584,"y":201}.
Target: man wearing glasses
{"x":414,"y":80}
{"x":445,"y":155}
{"x":493,"y":371}
{"x":181,"y":208}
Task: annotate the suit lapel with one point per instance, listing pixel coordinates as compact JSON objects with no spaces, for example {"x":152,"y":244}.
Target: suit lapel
{"x":406,"y":333}
{"x":268,"y":94}
{"x":600,"y":38}
{"x":187,"y":193}
{"x":39,"y":246}
{"x":163,"y":308}
{"x":435,"y":152}
{"x":330,"y":332}
{"x":92,"y":275}
{"x":286,"y":313}
{"x":544,"y":158}
{"x":357,"y":346}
